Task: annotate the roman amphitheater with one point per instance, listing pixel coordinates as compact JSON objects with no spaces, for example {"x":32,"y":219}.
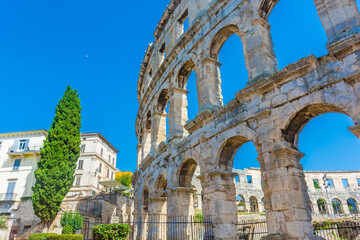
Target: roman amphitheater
{"x":270,"y":112}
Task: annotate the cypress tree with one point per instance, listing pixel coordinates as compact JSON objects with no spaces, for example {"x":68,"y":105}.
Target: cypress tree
{"x":56,"y":168}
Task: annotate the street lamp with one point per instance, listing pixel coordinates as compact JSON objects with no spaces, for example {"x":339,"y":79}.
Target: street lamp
{"x":326,"y":185}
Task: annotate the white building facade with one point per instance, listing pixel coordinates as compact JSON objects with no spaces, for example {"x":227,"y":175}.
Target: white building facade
{"x":20,"y":153}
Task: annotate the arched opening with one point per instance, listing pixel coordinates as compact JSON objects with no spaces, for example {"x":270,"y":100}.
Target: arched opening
{"x":321,"y":203}
{"x":146,"y":145}
{"x":186,"y":173}
{"x":240,"y":201}
{"x":227,"y":48}
{"x":160,"y":117}
{"x":145,"y":201}
{"x":186,"y":80}
{"x":352,"y":205}
{"x":161,"y":186}
{"x":337,"y":207}
{"x":296,"y":30}
{"x":254,"y":206}
{"x":239,"y":155}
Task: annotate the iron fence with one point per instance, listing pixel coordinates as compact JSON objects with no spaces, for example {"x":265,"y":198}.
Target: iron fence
{"x":162,"y":227}
{"x":90,"y":208}
{"x":251,"y":230}
{"x":346,"y":230}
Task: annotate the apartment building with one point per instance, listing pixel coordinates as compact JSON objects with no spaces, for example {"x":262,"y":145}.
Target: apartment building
{"x":20,"y":152}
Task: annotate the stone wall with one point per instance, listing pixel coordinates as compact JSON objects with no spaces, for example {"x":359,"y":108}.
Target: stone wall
{"x":270,"y":112}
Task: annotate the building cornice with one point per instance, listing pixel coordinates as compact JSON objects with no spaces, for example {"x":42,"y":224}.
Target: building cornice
{"x":31,"y":132}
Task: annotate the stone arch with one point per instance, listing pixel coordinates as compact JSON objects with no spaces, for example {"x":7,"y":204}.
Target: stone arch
{"x":254,"y":205}
{"x":242,"y":204}
{"x":322,"y":206}
{"x":337,"y":206}
{"x":184,"y":74}
{"x":298,"y":121}
{"x":231,"y":145}
{"x":186,"y":172}
{"x":352,"y":205}
{"x":161,"y":186}
{"x":162,"y":101}
{"x":266,"y":7}
{"x":220,"y":38}
{"x":145,"y":200}
{"x":148,"y":121}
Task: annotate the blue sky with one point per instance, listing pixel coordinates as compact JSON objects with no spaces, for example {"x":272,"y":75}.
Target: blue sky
{"x":97,"y":48}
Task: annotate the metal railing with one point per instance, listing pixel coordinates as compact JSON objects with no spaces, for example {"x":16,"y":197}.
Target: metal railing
{"x":29,"y":148}
{"x":347,"y":230}
{"x":8,"y":196}
{"x":253,"y":230}
{"x":162,"y":227}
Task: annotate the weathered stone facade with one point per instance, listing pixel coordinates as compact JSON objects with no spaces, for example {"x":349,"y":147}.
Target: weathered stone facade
{"x":250,"y":194}
{"x":270,"y":112}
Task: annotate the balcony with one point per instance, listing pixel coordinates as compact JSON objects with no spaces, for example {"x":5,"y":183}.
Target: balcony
{"x":26,"y":150}
{"x":7,"y":197}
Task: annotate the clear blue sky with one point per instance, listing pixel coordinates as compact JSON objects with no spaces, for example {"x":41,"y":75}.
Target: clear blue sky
{"x":44,"y":47}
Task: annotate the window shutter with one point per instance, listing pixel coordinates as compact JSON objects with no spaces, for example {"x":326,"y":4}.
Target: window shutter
{"x":15,"y":146}
{"x":27,"y":144}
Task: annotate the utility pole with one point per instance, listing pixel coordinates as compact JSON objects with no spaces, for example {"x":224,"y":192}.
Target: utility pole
{"x":326,"y":185}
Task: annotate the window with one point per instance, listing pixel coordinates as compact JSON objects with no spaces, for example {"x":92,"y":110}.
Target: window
{"x":108,"y":173}
{"x":100,"y":167}
{"x":316,"y":183}
{"x":10,"y":190}
{"x":77,"y":181}
{"x":98,"y":183}
{"x":330,"y":183}
{"x":249,"y":179}
{"x":22,"y":144}
{"x":162,"y":52}
{"x":358,"y":181}
{"x":101,"y":151}
{"x":345,"y":182}
{"x":114,"y":161}
{"x":109,"y":157}
{"x":81,"y":164}
{"x":83,"y":148}
{"x":237,"y":178}
{"x":184,"y":21}
{"x":0,"y":144}
{"x":112,"y":175}
{"x":16,"y":164}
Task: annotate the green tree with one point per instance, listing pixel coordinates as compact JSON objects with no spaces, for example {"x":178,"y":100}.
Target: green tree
{"x":56,"y":169}
{"x":72,"y":219}
{"x":125,"y":180}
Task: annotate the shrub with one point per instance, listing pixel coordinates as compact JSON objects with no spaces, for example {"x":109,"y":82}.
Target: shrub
{"x":73,"y":219}
{"x":110,"y":231}
{"x":67,"y":229}
{"x":41,"y":236}
{"x":66,"y":237}
{"x":199,"y":217}
{"x":3,"y":224}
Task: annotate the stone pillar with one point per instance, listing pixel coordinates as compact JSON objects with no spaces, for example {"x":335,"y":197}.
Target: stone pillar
{"x":219,"y":202}
{"x":345,"y":207}
{"x":179,"y":209}
{"x":158,"y":129}
{"x":259,"y":53}
{"x":208,"y":85}
{"x":178,"y":115}
{"x":338,"y":17}
{"x":287,"y":201}
{"x":157,"y":218}
{"x":146,"y":146}
{"x":139,"y":154}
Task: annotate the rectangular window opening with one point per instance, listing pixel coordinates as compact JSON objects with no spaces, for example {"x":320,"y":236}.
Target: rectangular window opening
{"x":184,"y":21}
{"x":162,"y":51}
{"x":77,"y":181}
{"x":108,"y":173}
{"x":249,"y":179}
{"x":101,"y":151}
{"x":316,"y":183}
{"x":237,"y":178}
{"x":345,"y":182}
{"x":330,"y":183}
{"x":22,"y":144}
{"x":83,"y":148}
{"x":109,"y":158}
{"x":100,"y":167}
{"x":358,"y":181}
{"x":81,"y":164}
{"x":16,"y":165}
{"x":0,"y":144}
